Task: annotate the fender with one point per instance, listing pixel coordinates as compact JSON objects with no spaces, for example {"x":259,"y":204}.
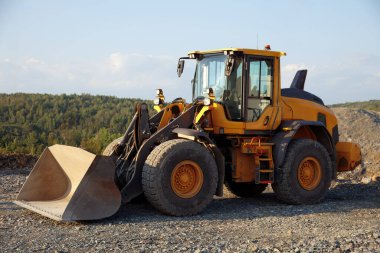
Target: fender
{"x":289,"y":128}
{"x":203,"y":138}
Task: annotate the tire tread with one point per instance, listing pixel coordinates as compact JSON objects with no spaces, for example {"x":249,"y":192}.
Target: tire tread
{"x":151,"y":171}
{"x":283,"y":187}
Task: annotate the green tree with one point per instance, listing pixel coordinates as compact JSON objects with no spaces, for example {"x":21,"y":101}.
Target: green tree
{"x":30,"y":122}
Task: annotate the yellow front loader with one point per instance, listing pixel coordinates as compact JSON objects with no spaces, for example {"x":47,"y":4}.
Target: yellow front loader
{"x":241,"y":130}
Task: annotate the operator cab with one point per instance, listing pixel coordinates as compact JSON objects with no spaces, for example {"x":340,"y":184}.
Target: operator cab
{"x":244,"y":87}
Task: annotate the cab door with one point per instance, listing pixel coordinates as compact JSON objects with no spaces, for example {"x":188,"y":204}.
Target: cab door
{"x":262,"y":94}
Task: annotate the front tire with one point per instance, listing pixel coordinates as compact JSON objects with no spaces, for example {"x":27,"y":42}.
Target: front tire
{"x":180,"y":177}
{"x":306,"y":174}
{"x":111,"y":146}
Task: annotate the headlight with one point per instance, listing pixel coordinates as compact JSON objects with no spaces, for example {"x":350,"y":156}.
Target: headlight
{"x":206,"y":101}
{"x":203,"y":100}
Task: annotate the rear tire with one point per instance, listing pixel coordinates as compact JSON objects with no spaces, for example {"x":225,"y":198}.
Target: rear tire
{"x":306,"y":174}
{"x":180,"y":177}
{"x":245,"y":190}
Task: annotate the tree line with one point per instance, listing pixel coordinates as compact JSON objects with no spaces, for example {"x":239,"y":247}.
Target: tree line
{"x":31,"y":122}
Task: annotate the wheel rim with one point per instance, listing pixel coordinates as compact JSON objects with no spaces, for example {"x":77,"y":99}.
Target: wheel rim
{"x":309,"y":173}
{"x":187,"y":179}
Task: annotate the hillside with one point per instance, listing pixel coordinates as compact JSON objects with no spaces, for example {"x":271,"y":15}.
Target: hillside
{"x":372,"y":105}
{"x":30,"y":122}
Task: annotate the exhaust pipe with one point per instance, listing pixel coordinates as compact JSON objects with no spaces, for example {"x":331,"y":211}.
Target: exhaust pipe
{"x":69,"y":183}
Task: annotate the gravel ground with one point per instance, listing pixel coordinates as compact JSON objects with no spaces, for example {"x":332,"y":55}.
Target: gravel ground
{"x":347,"y":221}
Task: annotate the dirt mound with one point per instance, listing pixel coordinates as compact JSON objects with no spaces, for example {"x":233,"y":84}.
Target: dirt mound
{"x":17,"y":161}
{"x":363,"y":127}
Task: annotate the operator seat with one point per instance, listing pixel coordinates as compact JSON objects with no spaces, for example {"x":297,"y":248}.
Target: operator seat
{"x":230,"y":106}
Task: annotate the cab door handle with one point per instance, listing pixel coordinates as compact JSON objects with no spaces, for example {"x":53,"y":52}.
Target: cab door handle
{"x":266,"y":120}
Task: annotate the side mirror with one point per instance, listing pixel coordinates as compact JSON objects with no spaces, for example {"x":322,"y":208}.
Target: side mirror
{"x":180,"y":65}
{"x":230,"y":61}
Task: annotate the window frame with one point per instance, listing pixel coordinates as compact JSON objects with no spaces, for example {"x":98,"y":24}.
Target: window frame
{"x":246,"y":84}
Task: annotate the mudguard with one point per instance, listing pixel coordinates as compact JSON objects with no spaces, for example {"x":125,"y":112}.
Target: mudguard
{"x":196,"y":135}
{"x":290,"y":128}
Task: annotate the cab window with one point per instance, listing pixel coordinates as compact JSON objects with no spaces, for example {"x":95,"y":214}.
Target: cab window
{"x":232,"y":95}
{"x":260,"y":85}
{"x":227,"y":90}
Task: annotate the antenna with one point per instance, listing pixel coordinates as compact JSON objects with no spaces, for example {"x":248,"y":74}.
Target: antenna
{"x":257,"y":40}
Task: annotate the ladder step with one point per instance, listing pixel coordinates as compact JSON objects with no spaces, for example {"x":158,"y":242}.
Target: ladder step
{"x":265,"y":159}
{"x":266,"y":171}
{"x":257,"y":144}
{"x":267,"y":144}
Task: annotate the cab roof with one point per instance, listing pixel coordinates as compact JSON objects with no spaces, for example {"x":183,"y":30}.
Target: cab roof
{"x":241,"y":50}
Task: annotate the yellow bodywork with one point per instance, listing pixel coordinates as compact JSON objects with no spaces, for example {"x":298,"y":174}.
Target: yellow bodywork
{"x":158,"y":108}
{"x":242,"y":50}
{"x":300,"y":109}
{"x":348,"y":156}
{"x":223,"y":125}
{"x":168,"y":113}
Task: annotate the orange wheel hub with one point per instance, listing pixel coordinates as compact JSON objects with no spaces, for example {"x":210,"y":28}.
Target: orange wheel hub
{"x":187,"y":179}
{"x":309,"y":173}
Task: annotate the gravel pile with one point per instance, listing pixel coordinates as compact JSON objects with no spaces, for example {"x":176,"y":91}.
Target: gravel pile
{"x":363,"y":127}
{"x":16,"y":161}
{"x":347,"y":221}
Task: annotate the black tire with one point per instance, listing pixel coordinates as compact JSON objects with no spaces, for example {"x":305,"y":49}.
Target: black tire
{"x":288,"y":186}
{"x":110,"y":147}
{"x":157,"y":177}
{"x":245,"y":190}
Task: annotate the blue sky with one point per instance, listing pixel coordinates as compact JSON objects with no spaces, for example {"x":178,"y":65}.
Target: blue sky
{"x":129,"y":48}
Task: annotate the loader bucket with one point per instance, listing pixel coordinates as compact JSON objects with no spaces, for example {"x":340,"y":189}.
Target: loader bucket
{"x":69,"y":183}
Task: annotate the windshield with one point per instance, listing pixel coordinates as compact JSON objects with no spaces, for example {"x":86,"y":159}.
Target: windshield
{"x":209,"y":73}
